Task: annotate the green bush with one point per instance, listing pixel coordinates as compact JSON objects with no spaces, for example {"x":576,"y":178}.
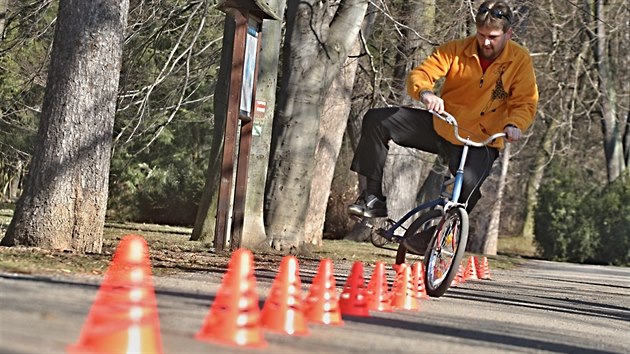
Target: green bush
{"x":578,"y":221}
{"x":611,"y":217}
{"x":161,"y":195}
{"x":560,"y":231}
{"x":171,"y":196}
{"x":161,"y":183}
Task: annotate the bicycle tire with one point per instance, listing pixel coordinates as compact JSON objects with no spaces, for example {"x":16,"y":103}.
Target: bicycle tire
{"x":427,"y":219}
{"x":440,"y":267}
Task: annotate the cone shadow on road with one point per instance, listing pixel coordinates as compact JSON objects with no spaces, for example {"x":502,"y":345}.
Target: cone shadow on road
{"x":45,"y":279}
{"x":203,"y":298}
{"x":570,"y":306}
{"x":573,"y":282}
{"x":477,"y":336}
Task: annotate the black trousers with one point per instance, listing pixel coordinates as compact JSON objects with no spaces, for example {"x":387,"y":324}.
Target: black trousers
{"x":413,"y":128}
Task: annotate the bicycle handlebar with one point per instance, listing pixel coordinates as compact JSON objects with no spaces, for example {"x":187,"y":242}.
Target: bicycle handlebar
{"x":448,"y":118}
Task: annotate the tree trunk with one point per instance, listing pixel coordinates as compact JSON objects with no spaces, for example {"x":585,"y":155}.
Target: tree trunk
{"x":313,"y":60}
{"x":490,"y":241}
{"x":13,"y":190}
{"x":480,"y":216}
{"x":3,"y":16}
{"x":613,"y":147}
{"x":626,"y":141}
{"x":65,"y":197}
{"x":537,"y":171}
{"x":405,"y":168}
{"x":5,"y":177}
{"x":331,"y":131}
{"x":253,"y":225}
{"x":411,"y":50}
{"x":347,"y":184}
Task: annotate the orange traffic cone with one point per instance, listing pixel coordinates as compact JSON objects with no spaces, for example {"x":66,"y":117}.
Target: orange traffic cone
{"x":283,"y":309}
{"x":403,"y":292}
{"x":486,"y":268}
{"x":353,"y":300}
{"x":461,"y":274}
{"x":124,"y":315}
{"x":455,"y":281}
{"x":377,"y":290}
{"x":417,"y":271}
{"x":234,"y":317}
{"x":322,"y":302}
{"x":471,"y":271}
{"x":479,"y":268}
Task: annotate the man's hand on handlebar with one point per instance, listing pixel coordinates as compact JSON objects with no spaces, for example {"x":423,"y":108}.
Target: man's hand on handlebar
{"x":433,"y":102}
{"x":512,"y":133}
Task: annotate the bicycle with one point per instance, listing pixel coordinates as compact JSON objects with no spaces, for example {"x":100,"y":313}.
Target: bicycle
{"x":447,"y":217}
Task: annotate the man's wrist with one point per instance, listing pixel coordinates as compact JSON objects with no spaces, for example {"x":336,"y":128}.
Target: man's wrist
{"x":423,"y":93}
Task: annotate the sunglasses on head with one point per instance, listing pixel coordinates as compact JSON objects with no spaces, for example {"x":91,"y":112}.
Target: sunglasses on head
{"x":496,"y":13}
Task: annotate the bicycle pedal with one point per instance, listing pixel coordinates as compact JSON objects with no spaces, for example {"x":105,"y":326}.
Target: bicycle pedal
{"x":357,"y":218}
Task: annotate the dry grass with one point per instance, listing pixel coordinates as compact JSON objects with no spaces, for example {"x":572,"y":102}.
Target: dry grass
{"x":172,"y":252}
{"x":517,"y":246}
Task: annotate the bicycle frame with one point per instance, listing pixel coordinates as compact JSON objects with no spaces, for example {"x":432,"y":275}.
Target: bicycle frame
{"x":446,"y":201}
{"x":390,"y":235}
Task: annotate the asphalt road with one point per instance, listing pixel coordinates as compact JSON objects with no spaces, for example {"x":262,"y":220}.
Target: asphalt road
{"x":540,"y":307}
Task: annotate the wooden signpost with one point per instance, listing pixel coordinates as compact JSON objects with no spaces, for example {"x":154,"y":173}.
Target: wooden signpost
{"x":248,"y":16}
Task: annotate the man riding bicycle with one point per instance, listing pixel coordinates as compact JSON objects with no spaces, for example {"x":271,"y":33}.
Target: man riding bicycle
{"x":489,"y":85}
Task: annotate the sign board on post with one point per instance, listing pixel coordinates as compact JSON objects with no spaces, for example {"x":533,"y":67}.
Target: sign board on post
{"x":249,"y":70}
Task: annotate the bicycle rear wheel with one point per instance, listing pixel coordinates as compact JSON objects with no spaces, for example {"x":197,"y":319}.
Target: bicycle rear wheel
{"x":445,"y":252}
{"x":425,"y":221}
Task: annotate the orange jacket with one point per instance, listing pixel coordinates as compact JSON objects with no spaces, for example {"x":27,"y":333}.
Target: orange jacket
{"x":482,"y":103}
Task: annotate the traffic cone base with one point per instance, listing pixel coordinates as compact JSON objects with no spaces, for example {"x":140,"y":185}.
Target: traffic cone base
{"x":250,"y":336}
{"x":234,"y":317}
{"x":133,"y":339}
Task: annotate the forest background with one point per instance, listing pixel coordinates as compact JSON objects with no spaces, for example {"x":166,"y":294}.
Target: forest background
{"x":565,"y":186}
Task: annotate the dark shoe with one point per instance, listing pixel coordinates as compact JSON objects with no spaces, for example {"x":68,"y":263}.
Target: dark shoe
{"x":369,"y":207}
{"x":374,"y":207}
{"x":358,"y":207}
{"x":418,"y":243}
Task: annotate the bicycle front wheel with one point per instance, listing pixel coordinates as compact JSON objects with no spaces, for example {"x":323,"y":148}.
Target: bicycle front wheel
{"x":445,"y":252}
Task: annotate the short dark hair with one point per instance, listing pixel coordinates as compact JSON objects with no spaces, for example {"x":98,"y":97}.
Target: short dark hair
{"x":494,"y":14}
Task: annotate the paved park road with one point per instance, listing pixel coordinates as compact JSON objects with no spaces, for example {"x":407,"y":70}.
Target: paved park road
{"x":540,"y":307}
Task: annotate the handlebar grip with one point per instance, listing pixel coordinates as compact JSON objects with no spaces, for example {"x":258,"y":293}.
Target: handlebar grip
{"x":447,"y":117}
